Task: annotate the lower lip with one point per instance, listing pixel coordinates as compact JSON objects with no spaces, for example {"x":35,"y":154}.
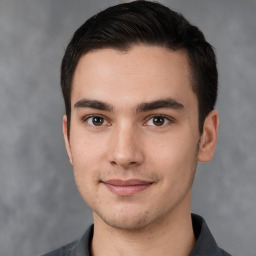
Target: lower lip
{"x":127,"y":190}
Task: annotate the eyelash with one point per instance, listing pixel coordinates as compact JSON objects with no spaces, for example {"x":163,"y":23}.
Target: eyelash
{"x":167,"y":118}
{"x":86,"y":118}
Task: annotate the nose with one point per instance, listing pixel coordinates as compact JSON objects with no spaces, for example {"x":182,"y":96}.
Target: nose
{"x":125,"y":149}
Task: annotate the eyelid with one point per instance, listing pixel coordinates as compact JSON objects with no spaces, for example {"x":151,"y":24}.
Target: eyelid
{"x":85,"y":119}
{"x":168,"y":118}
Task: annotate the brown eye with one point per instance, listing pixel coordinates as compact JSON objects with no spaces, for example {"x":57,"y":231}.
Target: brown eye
{"x":158,"y":120}
{"x":96,"y":121}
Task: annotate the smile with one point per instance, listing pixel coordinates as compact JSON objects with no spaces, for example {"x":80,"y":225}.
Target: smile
{"x":127,"y":187}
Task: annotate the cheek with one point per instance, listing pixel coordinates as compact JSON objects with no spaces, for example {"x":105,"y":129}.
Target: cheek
{"x":87,"y":154}
{"x":173,"y":155}
{"x":85,"y":171}
{"x":175,"y":161}
{"x":86,"y":148}
{"x":171,"y":147}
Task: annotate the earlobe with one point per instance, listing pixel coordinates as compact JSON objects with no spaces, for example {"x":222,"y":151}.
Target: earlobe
{"x":209,"y":137}
{"x":66,"y":138}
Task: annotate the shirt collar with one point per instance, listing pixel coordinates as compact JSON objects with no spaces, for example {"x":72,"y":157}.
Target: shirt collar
{"x":205,"y":243}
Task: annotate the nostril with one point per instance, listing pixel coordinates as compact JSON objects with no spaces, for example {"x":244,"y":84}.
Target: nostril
{"x":127,"y":164}
{"x":113,"y":163}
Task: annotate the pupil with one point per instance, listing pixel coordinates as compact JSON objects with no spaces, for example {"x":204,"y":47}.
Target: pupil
{"x":97,"y":121}
{"x":158,"y":120}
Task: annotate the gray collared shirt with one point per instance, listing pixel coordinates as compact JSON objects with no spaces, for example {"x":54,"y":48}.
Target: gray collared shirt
{"x":205,"y":243}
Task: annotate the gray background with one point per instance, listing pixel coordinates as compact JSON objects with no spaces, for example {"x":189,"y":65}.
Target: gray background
{"x":40,"y":208}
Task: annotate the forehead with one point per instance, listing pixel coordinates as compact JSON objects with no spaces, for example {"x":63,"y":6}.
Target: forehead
{"x":142,"y":73}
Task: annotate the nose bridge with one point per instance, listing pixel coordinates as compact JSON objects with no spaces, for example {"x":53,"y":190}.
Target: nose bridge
{"x":125,"y":148}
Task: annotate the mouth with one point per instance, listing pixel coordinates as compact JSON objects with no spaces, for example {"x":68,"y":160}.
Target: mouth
{"x":126,"y":187}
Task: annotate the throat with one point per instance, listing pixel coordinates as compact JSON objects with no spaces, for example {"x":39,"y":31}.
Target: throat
{"x":174,"y":238}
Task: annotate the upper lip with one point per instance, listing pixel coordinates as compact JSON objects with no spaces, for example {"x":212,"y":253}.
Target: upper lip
{"x":130,"y":182}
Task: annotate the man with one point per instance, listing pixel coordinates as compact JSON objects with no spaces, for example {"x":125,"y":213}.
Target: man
{"x":139,"y":84}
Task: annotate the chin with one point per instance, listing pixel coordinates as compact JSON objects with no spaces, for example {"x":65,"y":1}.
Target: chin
{"x":126,"y":221}
{"x":126,"y":224}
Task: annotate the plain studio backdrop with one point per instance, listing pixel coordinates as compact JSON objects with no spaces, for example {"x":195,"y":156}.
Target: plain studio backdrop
{"x":40,"y":207}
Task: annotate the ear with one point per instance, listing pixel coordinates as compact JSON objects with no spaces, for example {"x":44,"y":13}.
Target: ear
{"x":209,"y":137}
{"x":66,"y":138}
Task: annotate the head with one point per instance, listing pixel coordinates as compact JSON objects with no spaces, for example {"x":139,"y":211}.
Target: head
{"x":139,"y":84}
{"x":141,"y":22}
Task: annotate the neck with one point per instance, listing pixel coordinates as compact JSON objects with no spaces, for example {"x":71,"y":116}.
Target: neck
{"x":173,"y":235}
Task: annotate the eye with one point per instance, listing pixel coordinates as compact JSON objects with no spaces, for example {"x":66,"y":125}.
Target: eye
{"x":158,"y":121}
{"x":96,"y":121}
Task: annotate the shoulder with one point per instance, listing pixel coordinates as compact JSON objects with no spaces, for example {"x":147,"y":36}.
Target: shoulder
{"x":65,"y":250}
{"x":205,"y":242}
{"x":79,"y":247}
{"x":224,"y":253}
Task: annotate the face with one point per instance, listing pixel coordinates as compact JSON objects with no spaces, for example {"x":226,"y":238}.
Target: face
{"x":134,"y":138}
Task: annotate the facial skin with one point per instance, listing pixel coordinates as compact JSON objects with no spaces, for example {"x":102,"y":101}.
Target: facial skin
{"x":134,"y":137}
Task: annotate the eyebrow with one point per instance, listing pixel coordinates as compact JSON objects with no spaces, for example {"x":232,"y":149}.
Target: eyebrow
{"x":143,"y":107}
{"x":95,"y":104}
{"x":157,"y":104}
